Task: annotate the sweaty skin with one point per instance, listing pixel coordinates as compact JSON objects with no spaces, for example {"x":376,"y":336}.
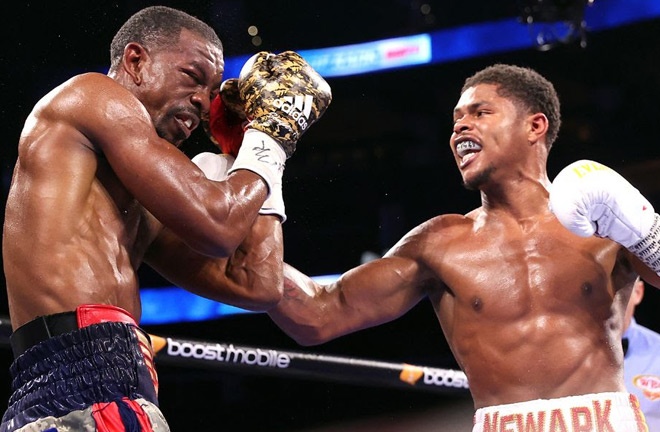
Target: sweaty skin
{"x":529,"y":310}
{"x":98,"y":170}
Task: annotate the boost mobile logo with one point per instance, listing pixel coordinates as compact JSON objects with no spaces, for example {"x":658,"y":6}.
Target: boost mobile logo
{"x":298,"y":107}
{"x":445,"y":378}
{"x":227,"y":354}
{"x":437,"y":377}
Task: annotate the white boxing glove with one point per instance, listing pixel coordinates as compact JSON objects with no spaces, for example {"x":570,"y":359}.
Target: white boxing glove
{"x":216,"y":167}
{"x":274,"y":204}
{"x":590,"y":198}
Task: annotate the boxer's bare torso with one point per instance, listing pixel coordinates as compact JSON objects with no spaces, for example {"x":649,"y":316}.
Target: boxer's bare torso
{"x":530,"y":311}
{"x":514,"y":300}
{"x":73,"y":233}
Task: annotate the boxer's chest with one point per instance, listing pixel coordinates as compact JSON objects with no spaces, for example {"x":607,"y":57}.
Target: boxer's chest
{"x":507,"y":272}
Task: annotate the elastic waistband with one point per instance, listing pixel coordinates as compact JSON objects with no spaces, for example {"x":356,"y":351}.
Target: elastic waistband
{"x":613,"y":410}
{"x":47,"y":326}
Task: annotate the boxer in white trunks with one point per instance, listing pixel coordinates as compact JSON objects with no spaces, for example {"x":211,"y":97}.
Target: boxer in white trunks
{"x":533,"y":311}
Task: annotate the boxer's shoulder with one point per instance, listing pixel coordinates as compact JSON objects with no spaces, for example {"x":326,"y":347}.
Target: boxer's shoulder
{"x":443,"y":228}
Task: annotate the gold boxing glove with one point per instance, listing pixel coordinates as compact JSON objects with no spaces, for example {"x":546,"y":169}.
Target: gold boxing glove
{"x":283,"y":96}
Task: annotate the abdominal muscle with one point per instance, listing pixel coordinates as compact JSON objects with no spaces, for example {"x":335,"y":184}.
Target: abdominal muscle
{"x":535,"y":355}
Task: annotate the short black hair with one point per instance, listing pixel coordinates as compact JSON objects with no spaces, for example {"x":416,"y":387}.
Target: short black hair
{"x":525,"y":86}
{"x":155,"y":27}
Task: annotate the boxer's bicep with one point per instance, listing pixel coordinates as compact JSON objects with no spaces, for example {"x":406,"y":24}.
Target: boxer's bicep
{"x":381,"y":290}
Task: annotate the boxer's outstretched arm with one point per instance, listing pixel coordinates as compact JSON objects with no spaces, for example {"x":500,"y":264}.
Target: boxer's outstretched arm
{"x":371,"y":294}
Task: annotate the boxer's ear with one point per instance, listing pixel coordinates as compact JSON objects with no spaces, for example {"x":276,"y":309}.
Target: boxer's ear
{"x":537,"y":127}
{"x":133,"y":60}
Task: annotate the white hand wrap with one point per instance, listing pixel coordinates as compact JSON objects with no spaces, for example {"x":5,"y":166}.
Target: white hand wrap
{"x":217,"y":166}
{"x":262,"y":155}
{"x":590,"y":198}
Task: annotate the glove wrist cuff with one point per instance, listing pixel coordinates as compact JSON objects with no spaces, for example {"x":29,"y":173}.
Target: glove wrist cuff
{"x":262,"y":155}
{"x":648,"y":248}
{"x":274,"y":126}
{"x":274,"y":204}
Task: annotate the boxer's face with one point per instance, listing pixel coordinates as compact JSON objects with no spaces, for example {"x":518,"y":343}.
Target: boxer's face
{"x":487,"y":129}
{"x":178,"y":83}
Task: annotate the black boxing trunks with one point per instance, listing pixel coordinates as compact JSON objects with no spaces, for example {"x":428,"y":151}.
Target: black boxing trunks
{"x":88,"y":370}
